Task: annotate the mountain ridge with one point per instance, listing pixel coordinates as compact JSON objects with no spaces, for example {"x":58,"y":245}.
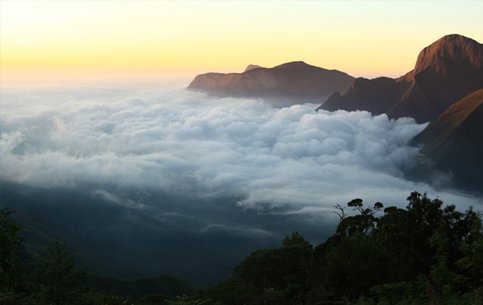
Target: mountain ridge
{"x":297,"y":80}
{"x":444,"y":72}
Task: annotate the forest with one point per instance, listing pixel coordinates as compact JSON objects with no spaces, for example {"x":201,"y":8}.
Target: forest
{"x":426,"y":253}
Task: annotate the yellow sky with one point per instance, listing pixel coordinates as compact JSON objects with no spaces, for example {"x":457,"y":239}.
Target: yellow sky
{"x":362,"y":38}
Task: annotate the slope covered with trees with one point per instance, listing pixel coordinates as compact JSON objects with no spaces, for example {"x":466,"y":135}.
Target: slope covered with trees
{"x":54,"y":278}
{"x":426,"y":253}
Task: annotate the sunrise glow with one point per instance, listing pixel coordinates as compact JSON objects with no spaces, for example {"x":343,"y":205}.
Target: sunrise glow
{"x":180,"y":39}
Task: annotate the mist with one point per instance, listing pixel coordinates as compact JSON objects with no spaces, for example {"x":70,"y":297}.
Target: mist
{"x":188,"y":164}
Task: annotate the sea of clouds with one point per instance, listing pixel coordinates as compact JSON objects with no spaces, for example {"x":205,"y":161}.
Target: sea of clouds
{"x":288,"y":160}
{"x":141,"y":181}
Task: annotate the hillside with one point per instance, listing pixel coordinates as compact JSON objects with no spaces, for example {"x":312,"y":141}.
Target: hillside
{"x":454,"y":141}
{"x":425,"y":253}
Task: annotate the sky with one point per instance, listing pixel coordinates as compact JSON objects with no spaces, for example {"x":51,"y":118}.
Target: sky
{"x":155,"y":39}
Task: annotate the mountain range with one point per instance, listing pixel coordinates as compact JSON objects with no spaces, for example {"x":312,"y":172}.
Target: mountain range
{"x":443,"y":88}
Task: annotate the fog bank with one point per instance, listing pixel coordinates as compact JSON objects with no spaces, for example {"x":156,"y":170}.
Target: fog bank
{"x":190,"y":143}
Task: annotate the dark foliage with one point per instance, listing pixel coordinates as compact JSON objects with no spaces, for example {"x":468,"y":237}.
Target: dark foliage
{"x":54,"y":278}
{"x":9,"y":247}
{"x":423,"y":254}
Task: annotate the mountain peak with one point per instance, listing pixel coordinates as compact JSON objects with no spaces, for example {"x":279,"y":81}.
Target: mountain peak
{"x":295,"y":65}
{"x":445,"y":71}
{"x":447,"y":51}
{"x":251,"y":67}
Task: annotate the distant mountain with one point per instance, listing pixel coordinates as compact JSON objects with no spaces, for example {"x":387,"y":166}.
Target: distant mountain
{"x":454,"y":141}
{"x":445,"y":71}
{"x":290,"y":80}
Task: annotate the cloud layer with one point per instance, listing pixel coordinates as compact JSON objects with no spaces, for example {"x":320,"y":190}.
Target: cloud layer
{"x":189,"y":143}
{"x":186,"y":184}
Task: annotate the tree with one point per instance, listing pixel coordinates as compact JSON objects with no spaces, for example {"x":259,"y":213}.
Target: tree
{"x":355,"y":265}
{"x":295,"y":240}
{"x":361,"y":223}
{"x":57,"y":277}
{"x":472,"y":250}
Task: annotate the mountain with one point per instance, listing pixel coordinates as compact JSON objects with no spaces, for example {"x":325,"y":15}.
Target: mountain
{"x":445,"y":71}
{"x":374,"y":95}
{"x":290,"y":80}
{"x":454,"y":141}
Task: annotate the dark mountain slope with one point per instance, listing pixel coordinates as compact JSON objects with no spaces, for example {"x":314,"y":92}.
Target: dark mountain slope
{"x":375,"y":95}
{"x":454,"y":141}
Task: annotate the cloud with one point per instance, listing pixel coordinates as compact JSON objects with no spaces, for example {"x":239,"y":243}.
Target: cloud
{"x":155,"y":176}
{"x":114,"y":199}
{"x":188,"y":143}
{"x":238,"y":230}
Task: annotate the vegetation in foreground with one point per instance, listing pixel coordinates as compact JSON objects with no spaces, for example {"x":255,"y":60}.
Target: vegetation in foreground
{"x":424,"y":254}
